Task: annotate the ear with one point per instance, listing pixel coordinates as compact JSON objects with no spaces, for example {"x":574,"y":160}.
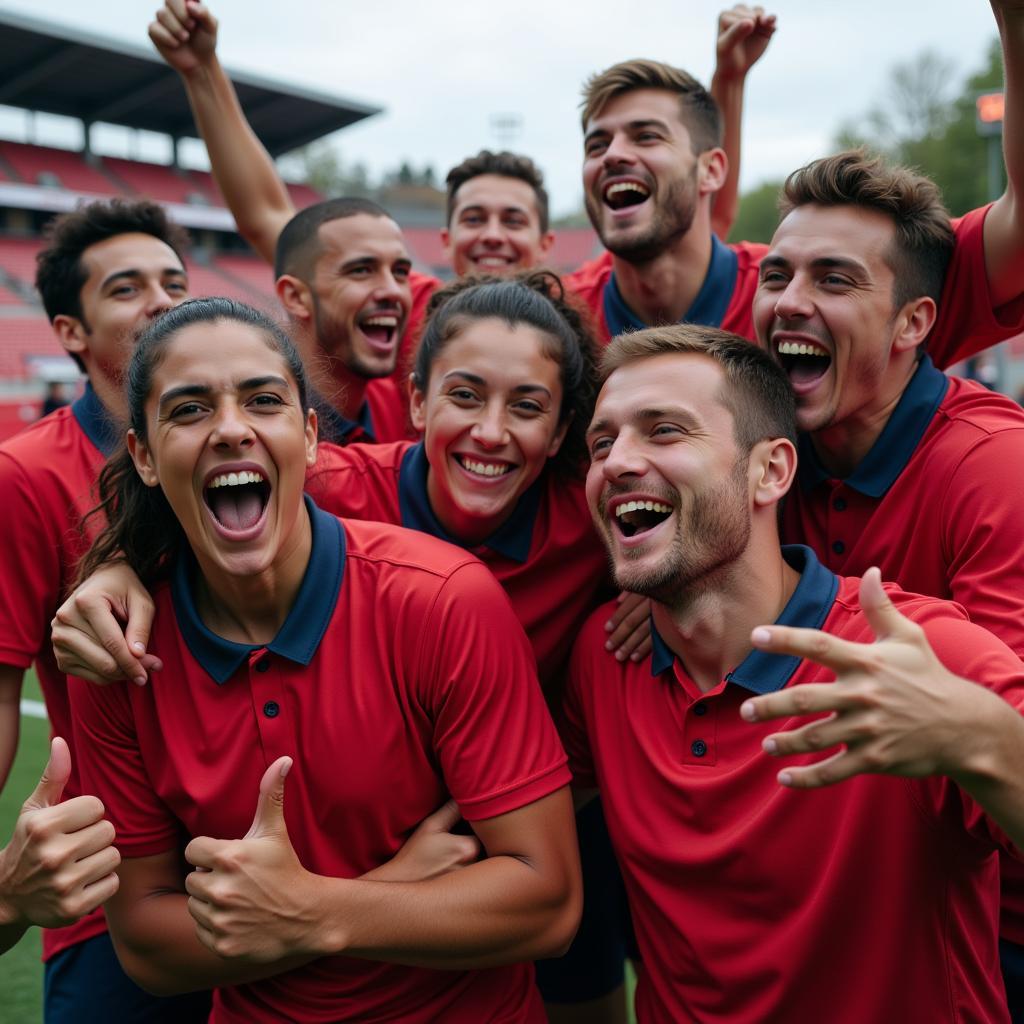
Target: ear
{"x":713,"y":169}
{"x":311,"y":428}
{"x":546,"y":242}
{"x":71,"y":333}
{"x":912,"y":323}
{"x":143,"y":459}
{"x":771,"y":472}
{"x":417,"y":406}
{"x":556,"y":441}
{"x":295,"y":296}
{"x":446,"y":243}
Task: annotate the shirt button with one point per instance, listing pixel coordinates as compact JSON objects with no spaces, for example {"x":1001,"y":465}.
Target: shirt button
{"x":839,"y":504}
{"x":700,"y":709}
{"x":263,"y":664}
{"x":698,"y":748}
{"x":838,"y":547}
{"x":271,"y":709}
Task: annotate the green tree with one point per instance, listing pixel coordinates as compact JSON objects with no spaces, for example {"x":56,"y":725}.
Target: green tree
{"x":758,"y":215}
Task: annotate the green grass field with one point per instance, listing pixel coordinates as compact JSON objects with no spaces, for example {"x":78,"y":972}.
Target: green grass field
{"x":21,"y":975}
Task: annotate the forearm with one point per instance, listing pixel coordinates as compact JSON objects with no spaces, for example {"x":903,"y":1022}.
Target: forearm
{"x":12,"y":926}
{"x":992,"y":769}
{"x":10,"y":726}
{"x":157,"y":945}
{"x":727,"y":91}
{"x":244,"y":170}
{"x":498,"y":911}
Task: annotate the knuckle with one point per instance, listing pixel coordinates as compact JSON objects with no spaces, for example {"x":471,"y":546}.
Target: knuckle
{"x":801,"y":701}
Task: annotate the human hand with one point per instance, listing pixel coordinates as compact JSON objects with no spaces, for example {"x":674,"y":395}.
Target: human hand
{"x":630,"y":628}
{"x":893,"y":708}
{"x":185,"y":34}
{"x":59,"y":864}
{"x":431,"y":851}
{"x":87,"y":636}
{"x":251,"y":898}
{"x":743,"y":35}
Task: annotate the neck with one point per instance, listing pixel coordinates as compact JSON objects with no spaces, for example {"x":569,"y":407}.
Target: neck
{"x":110,"y":395}
{"x":842,"y":446}
{"x":710,"y":631}
{"x":662,"y":289}
{"x":344,"y":390}
{"x":251,"y":609}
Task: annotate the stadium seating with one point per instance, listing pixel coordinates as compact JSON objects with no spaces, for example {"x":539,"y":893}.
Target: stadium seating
{"x":59,"y":168}
{"x":18,"y":258}
{"x":158,"y":181}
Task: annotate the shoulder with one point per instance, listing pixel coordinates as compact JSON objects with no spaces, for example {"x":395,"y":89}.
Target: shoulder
{"x":593,"y":274}
{"x":971,"y":407}
{"x":58,"y":429}
{"x":749,"y":254}
{"x":968,"y":228}
{"x":394,"y":549}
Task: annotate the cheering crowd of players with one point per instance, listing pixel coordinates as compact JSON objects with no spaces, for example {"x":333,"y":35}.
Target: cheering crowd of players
{"x":690,"y":582}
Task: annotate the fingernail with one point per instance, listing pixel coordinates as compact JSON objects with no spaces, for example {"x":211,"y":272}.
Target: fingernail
{"x":608,"y":645}
{"x":761,"y":635}
{"x":286,"y":767}
{"x":609,"y":626}
{"x":139,"y":647}
{"x":770,"y":746}
{"x":785,"y":779}
{"x":748,"y":711}
{"x":139,"y":680}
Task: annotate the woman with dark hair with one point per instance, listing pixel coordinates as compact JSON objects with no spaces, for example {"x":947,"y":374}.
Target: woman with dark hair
{"x":383,"y":669}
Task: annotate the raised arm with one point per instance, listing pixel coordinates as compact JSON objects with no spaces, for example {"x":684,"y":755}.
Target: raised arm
{"x":1004,"y":225}
{"x":185,"y":34}
{"x":743,"y":36}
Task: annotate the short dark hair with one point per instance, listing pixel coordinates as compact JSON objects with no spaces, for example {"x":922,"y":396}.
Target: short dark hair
{"x":699,"y":111}
{"x":923,"y":242}
{"x":506,"y":165}
{"x":538,"y":299}
{"x":757,"y":391}
{"x":140,"y":525}
{"x":60,"y":273}
{"x":298,"y":245}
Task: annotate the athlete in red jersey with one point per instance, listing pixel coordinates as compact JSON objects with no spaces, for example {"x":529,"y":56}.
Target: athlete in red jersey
{"x":751,"y":901}
{"x":267,"y":623}
{"x":110,"y":269}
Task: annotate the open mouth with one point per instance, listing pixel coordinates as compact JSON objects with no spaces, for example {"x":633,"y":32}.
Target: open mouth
{"x":237,"y":500}
{"x":636,"y":517}
{"x":381,"y":329}
{"x":489,"y":470}
{"x":804,"y":362}
{"x":621,"y":195}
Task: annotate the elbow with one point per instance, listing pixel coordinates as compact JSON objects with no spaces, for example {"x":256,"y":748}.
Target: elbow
{"x":148,"y":975}
{"x":563,"y":922}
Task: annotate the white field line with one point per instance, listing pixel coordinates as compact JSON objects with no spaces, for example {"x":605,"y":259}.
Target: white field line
{"x":33,"y":708}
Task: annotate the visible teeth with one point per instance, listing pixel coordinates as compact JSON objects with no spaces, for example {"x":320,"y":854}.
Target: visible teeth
{"x":796,"y":348}
{"x":637,"y":506}
{"x":381,"y":321}
{"x":485,"y":468}
{"x":626,"y":186}
{"x":236,"y":479}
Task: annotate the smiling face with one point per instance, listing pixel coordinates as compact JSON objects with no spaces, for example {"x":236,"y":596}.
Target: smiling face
{"x":640,"y":175}
{"x":495,"y":227}
{"x":667,"y":484}
{"x":360,"y":293}
{"x":490,"y":419}
{"x":824,"y":308}
{"x":132,"y":279}
{"x":229,"y":444}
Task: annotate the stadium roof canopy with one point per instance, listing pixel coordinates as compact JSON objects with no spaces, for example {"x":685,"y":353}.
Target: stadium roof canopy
{"x":61,"y":70}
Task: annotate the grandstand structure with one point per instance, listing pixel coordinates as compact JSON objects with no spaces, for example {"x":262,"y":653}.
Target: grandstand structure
{"x":96,"y":80}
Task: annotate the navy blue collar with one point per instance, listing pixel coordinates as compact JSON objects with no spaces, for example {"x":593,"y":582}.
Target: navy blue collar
{"x":337,"y":429}
{"x":512,"y":539}
{"x":808,"y":607}
{"x":302,"y":631}
{"x":889,"y":455}
{"x":708,"y":308}
{"x":97,"y":424}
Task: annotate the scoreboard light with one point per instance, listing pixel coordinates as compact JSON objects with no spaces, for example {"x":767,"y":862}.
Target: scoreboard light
{"x":988,"y":108}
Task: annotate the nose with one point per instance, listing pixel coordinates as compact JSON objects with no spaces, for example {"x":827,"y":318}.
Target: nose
{"x":794,"y":303}
{"x":490,"y":430}
{"x":491,"y":233}
{"x":159,"y":300}
{"x":391,"y":291}
{"x":231,"y":428}
{"x":623,"y":460}
{"x":618,"y":151}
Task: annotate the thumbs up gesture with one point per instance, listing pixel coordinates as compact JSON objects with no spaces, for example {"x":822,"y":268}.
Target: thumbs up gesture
{"x":59,"y":864}
{"x":251,"y":898}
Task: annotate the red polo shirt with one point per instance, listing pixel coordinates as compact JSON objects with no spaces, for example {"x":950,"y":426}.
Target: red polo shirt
{"x":47,"y":478}
{"x":383,"y":416}
{"x":547,"y":556}
{"x":399,"y":676}
{"x":966,"y":323}
{"x":873,"y":900}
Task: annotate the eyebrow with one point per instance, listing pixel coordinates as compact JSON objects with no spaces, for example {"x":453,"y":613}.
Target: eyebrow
{"x":480,"y":208}
{"x":360,"y":260}
{"x":134,"y":273}
{"x":646,"y":415}
{"x":202,"y":390}
{"x":820,"y":263}
{"x":633,"y":126}
{"x":519,"y":389}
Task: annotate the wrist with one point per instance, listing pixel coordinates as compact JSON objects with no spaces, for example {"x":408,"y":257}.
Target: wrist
{"x":994,"y":729}
{"x":328,"y":935}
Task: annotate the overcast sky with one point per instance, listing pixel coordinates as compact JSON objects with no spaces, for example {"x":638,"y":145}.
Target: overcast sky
{"x":442,"y":71}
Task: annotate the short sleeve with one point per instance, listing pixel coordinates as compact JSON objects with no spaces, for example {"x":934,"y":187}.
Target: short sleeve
{"x":572,"y":717}
{"x":493,"y":735}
